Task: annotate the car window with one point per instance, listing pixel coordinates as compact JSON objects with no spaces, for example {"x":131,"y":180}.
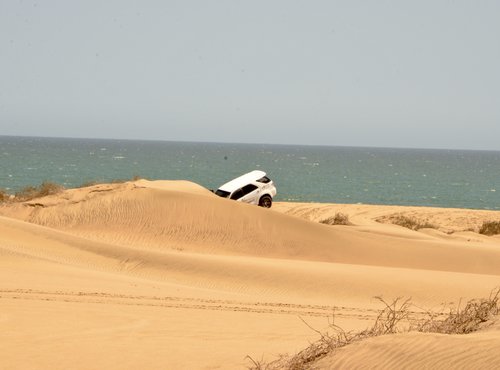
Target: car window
{"x":264,"y":180}
{"x":237,"y":194}
{"x":222,"y":193}
{"x":247,"y":189}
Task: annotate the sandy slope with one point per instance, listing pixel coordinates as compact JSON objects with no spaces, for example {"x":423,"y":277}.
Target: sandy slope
{"x":164,"y":274}
{"x":478,"y":350}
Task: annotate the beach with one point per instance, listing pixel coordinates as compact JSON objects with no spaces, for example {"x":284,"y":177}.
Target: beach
{"x":166,"y":275}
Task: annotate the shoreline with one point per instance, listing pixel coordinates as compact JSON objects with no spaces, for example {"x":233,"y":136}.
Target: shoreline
{"x":339,"y":175}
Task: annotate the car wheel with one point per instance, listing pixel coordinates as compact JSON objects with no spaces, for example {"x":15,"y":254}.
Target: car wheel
{"x":266,"y":201}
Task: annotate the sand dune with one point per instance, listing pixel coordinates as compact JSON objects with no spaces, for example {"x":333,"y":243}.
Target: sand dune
{"x":154,"y":270}
{"x":159,"y":216}
{"x":420,"y":351}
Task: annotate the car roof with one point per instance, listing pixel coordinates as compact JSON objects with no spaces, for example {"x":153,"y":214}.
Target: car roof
{"x":242,"y":180}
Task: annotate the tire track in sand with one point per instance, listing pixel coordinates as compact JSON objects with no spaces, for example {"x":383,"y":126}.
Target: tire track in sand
{"x":190,"y":303}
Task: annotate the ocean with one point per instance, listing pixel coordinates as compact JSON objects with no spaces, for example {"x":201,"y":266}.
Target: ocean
{"x":419,"y":177}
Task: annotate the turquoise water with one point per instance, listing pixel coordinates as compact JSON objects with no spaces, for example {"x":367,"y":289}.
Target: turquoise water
{"x":442,"y":178}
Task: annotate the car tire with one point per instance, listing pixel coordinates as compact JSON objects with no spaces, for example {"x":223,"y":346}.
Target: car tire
{"x":266,"y":201}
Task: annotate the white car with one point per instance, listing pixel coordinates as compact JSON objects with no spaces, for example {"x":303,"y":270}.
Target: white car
{"x":253,"y":187}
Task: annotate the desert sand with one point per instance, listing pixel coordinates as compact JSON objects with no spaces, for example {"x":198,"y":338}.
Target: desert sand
{"x":166,"y":275}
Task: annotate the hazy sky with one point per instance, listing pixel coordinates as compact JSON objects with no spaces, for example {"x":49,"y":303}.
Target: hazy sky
{"x":356,"y":73}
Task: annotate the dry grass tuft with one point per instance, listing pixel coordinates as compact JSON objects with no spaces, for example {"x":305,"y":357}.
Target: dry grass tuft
{"x":87,"y":184}
{"x":490,"y":228}
{"x":389,"y":321}
{"x":466,"y":320}
{"x":120,"y":181}
{"x":48,"y":188}
{"x":411,"y":222}
{"x":44,"y":189}
{"x":338,"y":219}
{"x":395,"y":317}
{"x":4,"y":196}
{"x":114,"y":181}
{"x":329,"y":341}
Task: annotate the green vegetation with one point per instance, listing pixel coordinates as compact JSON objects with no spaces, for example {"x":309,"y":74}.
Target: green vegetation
{"x":338,"y":219}
{"x":490,"y":228}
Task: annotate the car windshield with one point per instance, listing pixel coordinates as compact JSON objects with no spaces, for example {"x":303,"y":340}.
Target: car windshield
{"x":222,"y":193}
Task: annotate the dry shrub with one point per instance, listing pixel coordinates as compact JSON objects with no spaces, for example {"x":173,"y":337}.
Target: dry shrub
{"x":389,"y":321}
{"x":334,"y":338}
{"x":338,"y":219}
{"x":87,"y":184}
{"x":26,"y":193}
{"x":466,"y":320}
{"x":121,"y":181}
{"x":114,"y":181}
{"x":395,"y":317}
{"x":411,"y":222}
{"x":490,"y":228}
{"x":44,"y":189}
{"x":49,"y":188}
{"x":4,"y":196}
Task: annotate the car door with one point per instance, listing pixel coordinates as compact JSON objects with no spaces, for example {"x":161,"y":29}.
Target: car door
{"x":250,"y":193}
{"x":237,"y":194}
